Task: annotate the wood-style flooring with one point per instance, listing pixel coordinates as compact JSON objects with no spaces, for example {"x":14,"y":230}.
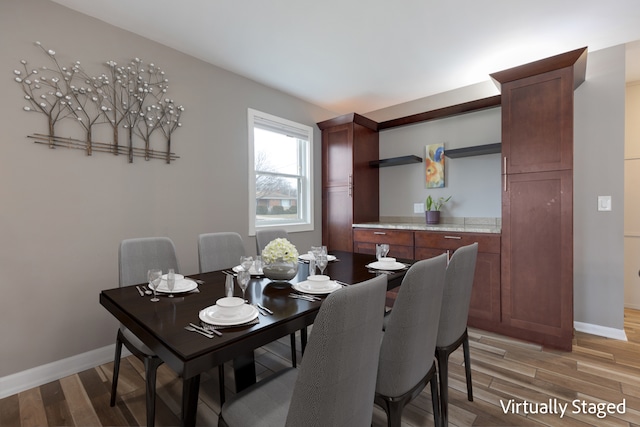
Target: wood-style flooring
{"x":597,"y":371}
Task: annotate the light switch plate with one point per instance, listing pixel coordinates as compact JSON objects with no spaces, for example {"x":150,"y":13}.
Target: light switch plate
{"x":418,"y":207}
{"x":604,"y":203}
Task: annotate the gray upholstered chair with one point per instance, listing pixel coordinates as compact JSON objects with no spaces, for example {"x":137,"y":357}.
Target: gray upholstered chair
{"x":453,"y":320}
{"x":218,"y":251}
{"x":264,"y":236}
{"x":335,"y":384}
{"x":135,"y":257}
{"x":410,"y":334}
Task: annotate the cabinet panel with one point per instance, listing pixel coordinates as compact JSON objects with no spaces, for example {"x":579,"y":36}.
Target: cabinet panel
{"x":336,"y":230}
{"x":400,"y":241}
{"x":537,"y":113}
{"x":338,"y":155}
{"x":430,"y":239}
{"x":537,"y":256}
{"x":484,"y":307}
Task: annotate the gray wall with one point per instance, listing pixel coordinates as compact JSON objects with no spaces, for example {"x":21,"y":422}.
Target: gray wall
{"x":63,"y":214}
{"x":599,"y":171}
{"x":474,"y":182}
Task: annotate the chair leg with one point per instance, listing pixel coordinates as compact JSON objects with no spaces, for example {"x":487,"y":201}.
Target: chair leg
{"x":435,"y":401}
{"x":467,"y":366}
{"x":221,"y":383}
{"x":150,"y":368}
{"x":293,"y":350}
{"x":303,"y":339}
{"x":116,"y":369}
{"x":443,"y":373}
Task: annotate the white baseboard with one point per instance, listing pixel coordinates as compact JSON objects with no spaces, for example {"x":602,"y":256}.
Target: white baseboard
{"x":632,"y":306}
{"x":602,"y":331}
{"x":35,"y":377}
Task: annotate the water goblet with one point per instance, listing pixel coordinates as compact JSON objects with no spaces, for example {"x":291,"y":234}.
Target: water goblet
{"x":154,"y":276}
{"x":246,"y":262}
{"x":322,"y":262}
{"x":384,"y":249}
{"x":171,"y":281}
{"x":243,"y":280}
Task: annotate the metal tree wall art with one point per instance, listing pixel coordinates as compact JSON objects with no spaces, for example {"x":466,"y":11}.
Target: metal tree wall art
{"x":131,"y":97}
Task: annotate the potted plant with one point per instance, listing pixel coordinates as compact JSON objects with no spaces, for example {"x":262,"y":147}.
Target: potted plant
{"x":433,"y":207}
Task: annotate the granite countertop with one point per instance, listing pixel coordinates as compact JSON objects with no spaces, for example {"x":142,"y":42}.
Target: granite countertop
{"x":493,"y":227}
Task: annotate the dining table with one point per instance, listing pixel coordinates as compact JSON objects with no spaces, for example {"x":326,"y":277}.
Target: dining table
{"x":161,"y":325}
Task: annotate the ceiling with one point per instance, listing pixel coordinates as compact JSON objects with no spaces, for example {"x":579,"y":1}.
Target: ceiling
{"x":364,"y":55}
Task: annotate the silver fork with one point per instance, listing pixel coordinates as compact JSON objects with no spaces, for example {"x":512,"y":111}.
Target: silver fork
{"x":192,"y":329}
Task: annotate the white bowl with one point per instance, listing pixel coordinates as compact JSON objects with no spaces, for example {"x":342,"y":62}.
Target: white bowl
{"x":228,"y":306}
{"x":388,"y":260}
{"x":318,"y":281}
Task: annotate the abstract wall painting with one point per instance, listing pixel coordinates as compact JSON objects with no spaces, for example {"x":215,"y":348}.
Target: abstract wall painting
{"x":434,"y":162}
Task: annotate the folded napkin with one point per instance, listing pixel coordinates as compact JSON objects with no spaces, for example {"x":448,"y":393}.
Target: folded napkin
{"x":213,"y":326}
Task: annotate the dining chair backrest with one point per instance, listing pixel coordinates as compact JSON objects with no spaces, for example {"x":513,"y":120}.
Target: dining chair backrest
{"x":219,"y":251}
{"x":336,"y":382}
{"x":136,"y":256}
{"x":457,"y":294}
{"x":411,"y":328}
{"x":263,"y":237}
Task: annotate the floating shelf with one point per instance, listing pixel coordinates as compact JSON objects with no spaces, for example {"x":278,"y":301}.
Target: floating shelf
{"x":395,"y":161}
{"x":476,"y":150}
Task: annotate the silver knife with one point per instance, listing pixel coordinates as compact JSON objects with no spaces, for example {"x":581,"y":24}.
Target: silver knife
{"x":140,"y":291}
{"x":208,"y":331}
{"x":265,"y":308}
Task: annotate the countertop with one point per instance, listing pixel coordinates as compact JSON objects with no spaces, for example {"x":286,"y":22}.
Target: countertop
{"x":451,"y":227}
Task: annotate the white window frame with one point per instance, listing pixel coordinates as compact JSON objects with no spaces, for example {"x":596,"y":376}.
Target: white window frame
{"x":305,"y":199}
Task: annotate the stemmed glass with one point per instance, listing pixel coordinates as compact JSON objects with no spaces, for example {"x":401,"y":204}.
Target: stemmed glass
{"x":321,"y":262}
{"x":382,"y":249}
{"x":171,"y":281}
{"x":246,"y":262}
{"x":243,"y":280}
{"x":154,"y":276}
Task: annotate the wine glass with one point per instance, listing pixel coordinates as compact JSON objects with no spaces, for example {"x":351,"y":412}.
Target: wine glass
{"x":382,"y":249}
{"x":171,"y":281}
{"x":153,"y":276}
{"x":321,"y":262}
{"x":246,"y":262}
{"x":243,"y":281}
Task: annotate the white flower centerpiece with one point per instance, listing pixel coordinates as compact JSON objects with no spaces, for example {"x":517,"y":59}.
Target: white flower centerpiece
{"x":280,"y":260}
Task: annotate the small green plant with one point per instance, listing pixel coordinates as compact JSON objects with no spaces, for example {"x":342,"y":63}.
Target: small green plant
{"x":435,"y":204}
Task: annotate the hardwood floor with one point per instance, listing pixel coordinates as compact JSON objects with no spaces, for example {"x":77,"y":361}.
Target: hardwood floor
{"x":598,"y":370}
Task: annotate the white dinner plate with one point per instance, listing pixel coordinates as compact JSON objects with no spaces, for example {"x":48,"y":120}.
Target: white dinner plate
{"x":182,"y":285}
{"x":212,"y":315}
{"x":308,"y":288}
{"x":386,"y":266}
{"x":176,"y":275}
{"x":252,"y":270}
{"x":309,"y":257}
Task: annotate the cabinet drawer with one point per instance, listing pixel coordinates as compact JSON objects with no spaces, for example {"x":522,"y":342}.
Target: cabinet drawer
{"x":383,"y":235}
{"x":395,"y":251}
{"x":487,"y":243}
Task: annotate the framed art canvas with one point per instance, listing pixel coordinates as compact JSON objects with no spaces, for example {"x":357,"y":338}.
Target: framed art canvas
{"x":434,"y":165}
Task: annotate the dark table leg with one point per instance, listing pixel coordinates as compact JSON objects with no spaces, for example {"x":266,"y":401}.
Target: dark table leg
{"x":190,"y":388}
{"x":244,"y":367}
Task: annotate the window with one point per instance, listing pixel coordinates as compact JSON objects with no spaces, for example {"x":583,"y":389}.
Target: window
{"x":280,"y":173}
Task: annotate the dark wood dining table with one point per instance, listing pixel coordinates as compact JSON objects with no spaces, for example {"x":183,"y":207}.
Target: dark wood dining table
{"x":161,"y":325}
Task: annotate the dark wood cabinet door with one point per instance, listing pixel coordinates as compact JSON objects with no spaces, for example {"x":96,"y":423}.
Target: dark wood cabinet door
{"x":537,"y":123}
{"x":537,"y":257}
{"x":337,"y":218}
{"x":484,"y":307}
{"x":337,"y":156}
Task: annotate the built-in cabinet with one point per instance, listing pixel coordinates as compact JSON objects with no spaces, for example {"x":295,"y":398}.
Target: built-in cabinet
{"x":524,"y":288}
{"x":350,"y":187}
{"x":400,"y":241}
{"x":537,"y":200}
{"x":484,"y":308}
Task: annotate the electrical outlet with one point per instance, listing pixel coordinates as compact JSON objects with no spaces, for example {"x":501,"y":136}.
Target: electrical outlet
{"x":418,"y":207}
